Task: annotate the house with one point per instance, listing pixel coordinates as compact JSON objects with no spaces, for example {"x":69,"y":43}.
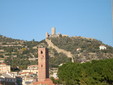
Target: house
{"x":102,"y":47}
{"x":27,"y":78}
{"x":8,"y":79}
{"x":25,"y":73}
{"x":4,"y":68}
{"x":2,"y":60}
{"x":31,"y":68}
{"x":78,"y":49}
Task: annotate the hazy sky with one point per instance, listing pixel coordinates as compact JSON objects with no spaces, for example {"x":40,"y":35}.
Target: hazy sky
{"x":31,"y":19}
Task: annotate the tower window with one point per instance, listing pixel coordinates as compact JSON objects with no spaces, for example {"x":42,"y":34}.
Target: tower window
{"x":41,"y":52}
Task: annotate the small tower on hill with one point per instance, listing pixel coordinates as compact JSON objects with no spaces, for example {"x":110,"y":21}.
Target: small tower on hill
{"x":47,"y":35}
{"x":53,"y":31}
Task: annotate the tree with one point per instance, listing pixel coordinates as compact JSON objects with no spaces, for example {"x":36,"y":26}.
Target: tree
{"x":90,"y":73}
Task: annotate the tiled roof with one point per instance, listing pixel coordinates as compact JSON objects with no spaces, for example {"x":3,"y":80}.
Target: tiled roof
{"x":6,"y":75}
{"x":2,"y":64}
{"x":26,"y":73}
{"x":47,"y":81}
{"x":33,"y":65}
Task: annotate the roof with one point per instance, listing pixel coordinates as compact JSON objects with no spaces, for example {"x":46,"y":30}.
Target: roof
{"x":6,"y":75}
{"x":26,"y":73}
{"x":33,"y":65}
{"x":2,"y":64}
{"x":47,"y":81}
{"x":103,"y":45}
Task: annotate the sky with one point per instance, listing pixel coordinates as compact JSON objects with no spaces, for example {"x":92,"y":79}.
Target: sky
{"x":31,"y":19}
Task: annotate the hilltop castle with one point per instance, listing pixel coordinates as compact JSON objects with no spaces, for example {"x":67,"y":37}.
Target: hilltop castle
{"x":53,"y":33}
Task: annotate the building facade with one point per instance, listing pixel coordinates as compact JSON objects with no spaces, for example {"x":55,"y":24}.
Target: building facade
{"x":43,"y":64}
{"x":8,"y":79}
{"x":4,"y":68}
{"x":43,"y":68}
{"x":102,"y":47}
{"x":32,"y":67}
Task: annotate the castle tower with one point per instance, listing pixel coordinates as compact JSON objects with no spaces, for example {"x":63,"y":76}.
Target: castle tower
{"x":47,"y":35}
{"x":53,"y":31}
{"x":43,"y":64}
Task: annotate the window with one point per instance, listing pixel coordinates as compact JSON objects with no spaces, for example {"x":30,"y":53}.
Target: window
{"x":41,"y":52}
{"x":41,"y":65}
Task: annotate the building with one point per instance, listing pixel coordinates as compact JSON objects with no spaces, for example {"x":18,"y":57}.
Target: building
{"x":53,"y":73}
{"x":43,"y":68}
{"x":43,"y":64}
{"x":27,"y":78}
{"x":102,"y":47}
{"x":78,"y":49}
{"x":47,"y":35}
{"x":53,"y":33}
{"x":8,"y":79}
{"x":32,"y":67}
{"x":4,"y":68}
{"x":2,"y":60}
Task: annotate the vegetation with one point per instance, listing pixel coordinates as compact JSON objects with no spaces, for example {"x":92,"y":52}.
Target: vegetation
{"x":18,"y":53}
{"x":83,"y":49}
{"x":86,"y":44}
{"x":58,"y":59}
{"x":90,"y":73}
{"x":19,"y":63}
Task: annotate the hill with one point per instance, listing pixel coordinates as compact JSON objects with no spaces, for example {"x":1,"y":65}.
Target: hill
{"x":17,"y":52}
{"x":83,"y":49}
{"x":20,"y":53}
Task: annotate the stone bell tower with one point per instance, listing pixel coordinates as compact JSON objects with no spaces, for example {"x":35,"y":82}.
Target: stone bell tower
{"x":43,"y":64}
{"x":43,"y":68}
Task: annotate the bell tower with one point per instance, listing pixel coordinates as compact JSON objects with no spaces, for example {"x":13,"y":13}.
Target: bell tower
{"x":43,"y":68}
{"x":43,"y":64}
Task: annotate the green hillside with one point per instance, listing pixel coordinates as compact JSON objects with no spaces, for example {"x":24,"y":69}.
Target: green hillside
{"x":17,"y":53}
{"x":86,"y":44}
{"x":83,"y":49}
{"x":20,"y":53}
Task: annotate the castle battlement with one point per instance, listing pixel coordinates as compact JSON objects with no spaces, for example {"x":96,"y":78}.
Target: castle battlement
{"x":53,"y":33}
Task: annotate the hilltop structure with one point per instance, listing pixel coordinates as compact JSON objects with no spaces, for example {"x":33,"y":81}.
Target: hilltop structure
{"x":43,"y":67}
{"x":53,"y":33}
{"x":102,"y":47}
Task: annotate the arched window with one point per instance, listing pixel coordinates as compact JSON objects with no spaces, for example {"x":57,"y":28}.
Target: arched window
{"x":41,"y":52}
